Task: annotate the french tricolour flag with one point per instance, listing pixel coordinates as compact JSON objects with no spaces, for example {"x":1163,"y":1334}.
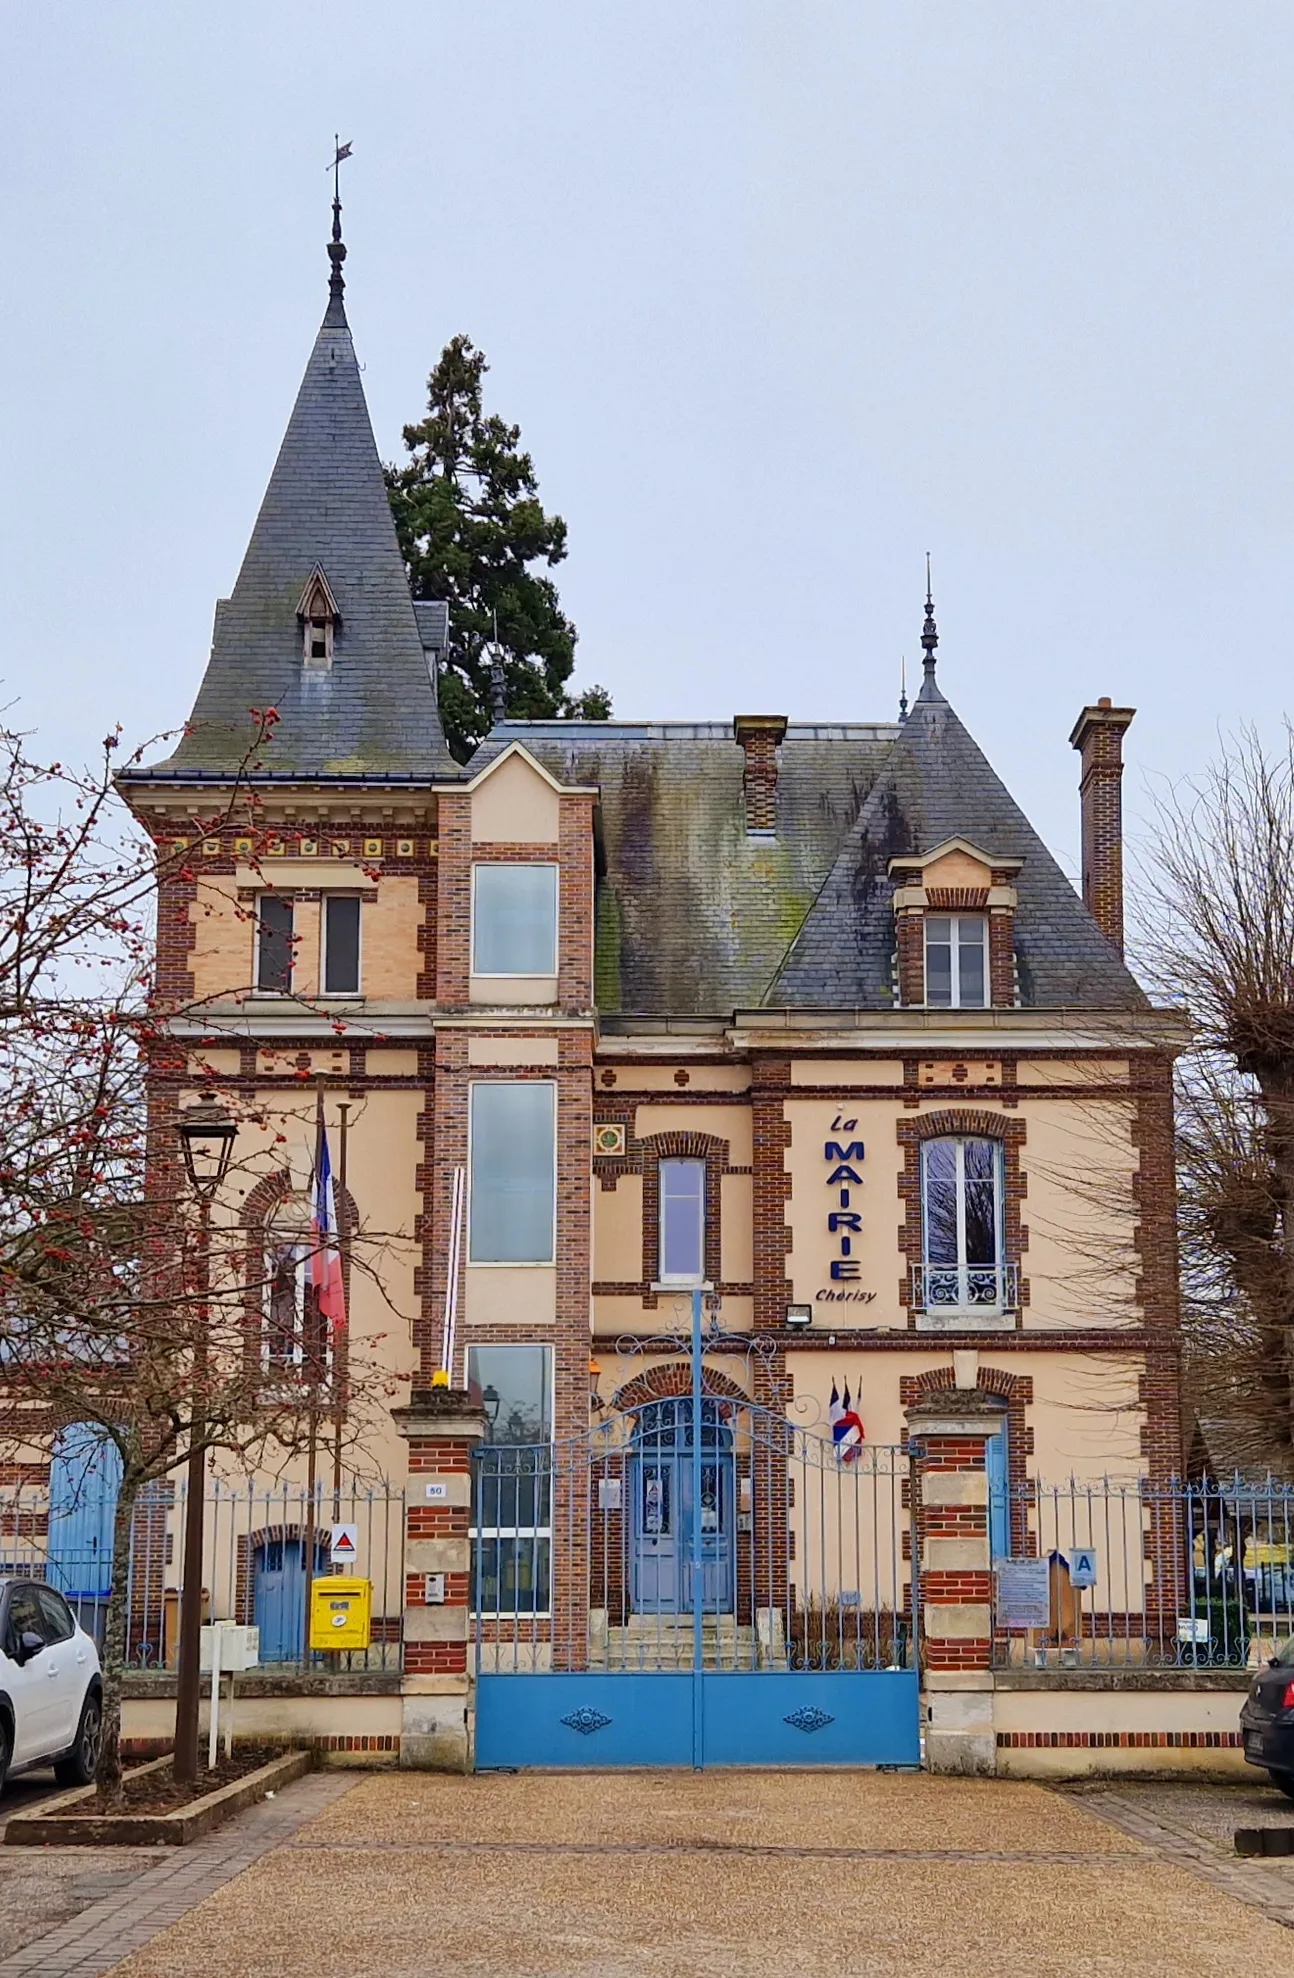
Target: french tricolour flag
{"x":325,"y":1260}
{"x":846,"y":1425}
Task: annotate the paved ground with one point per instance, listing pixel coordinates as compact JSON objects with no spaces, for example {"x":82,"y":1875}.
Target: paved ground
{"x":658,"y":1875}
{"x":722,"y":1876}
{"x":43,"y":1887}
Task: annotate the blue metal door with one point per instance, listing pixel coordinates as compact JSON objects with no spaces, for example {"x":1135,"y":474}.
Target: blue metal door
{"x":84,"y":1478}
{"x":279,"y":1597}
{"x":664,"y":1571}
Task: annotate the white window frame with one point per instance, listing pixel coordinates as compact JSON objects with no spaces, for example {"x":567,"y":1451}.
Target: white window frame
{"x":340,"y":893}
{"x":962,"y":1271}
{"x":677,"y":1280}
{"x":508,"y":1263}
{"x":517,"y":1533}
{"x":520,"y":974}
{"x":289,"y":901}
{"x":955,"y":922}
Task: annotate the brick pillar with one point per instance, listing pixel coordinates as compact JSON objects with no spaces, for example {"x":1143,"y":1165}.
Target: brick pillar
{"x":947,"y":1434}
{"x":442,"y":1426}
{"x":759,"y":736}
{"x":1098,"y":736}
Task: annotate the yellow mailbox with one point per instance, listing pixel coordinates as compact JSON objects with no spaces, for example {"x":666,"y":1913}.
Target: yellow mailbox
{"x":340,"y":1613}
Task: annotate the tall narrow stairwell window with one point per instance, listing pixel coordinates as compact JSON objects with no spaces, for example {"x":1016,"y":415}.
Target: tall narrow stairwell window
{"x":956,"y":961}
{"x":682,"y":1222}
{"x":961,"y":1200}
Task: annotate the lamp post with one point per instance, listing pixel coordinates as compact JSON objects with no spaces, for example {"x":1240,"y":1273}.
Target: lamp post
{"x":206,"y":1134}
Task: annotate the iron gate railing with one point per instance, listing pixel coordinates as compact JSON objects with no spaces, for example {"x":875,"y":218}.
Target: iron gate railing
{"x":643,"y":1546}
{"x":254,"y":1558}
{"x":1193,"y":1575}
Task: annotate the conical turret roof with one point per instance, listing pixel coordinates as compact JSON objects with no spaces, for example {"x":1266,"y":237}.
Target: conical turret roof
{"x":372,"y":711}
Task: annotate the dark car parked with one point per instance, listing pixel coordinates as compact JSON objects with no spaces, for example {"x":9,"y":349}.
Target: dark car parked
{"x":1267,"y":1720}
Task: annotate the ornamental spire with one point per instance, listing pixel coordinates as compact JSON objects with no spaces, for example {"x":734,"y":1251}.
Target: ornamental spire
{"x":929,"y":632}
{"x":337,"y":246}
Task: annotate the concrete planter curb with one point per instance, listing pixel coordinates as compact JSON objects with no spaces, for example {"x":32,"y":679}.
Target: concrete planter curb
{"x":52,"y":1826}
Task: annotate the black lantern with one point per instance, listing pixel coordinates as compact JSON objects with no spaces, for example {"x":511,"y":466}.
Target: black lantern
{"x":207,"y":1136}
{"x":490,"y":1402}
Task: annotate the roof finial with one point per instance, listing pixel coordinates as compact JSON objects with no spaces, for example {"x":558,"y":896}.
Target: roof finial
{"x":498,"y":681}
{"x":336,"y":246}
{"x":929,"y":632}
{"x":903,"y":687}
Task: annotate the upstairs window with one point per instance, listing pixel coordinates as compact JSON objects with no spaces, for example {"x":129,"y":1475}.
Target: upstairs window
{"x":513,"y":1173}
{"x":340,"y":970}
{"x":956,"y":961}
{"x":961,"y":1200}
{"x":682,"y":1222}
{"x":274,"y":944}
{"x":514,"y":920}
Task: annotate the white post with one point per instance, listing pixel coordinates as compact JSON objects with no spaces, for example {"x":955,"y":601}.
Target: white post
{"x":229,"y":1719}
{"x":214,"y":1723}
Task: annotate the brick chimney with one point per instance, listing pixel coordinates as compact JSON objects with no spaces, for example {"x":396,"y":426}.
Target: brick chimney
{"x":760,"y":736}
{"x":1098,"y":736}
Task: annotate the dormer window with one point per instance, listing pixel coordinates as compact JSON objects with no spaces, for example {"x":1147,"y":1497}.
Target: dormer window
{"x":956,"y":961}
{"x":319,"y":617}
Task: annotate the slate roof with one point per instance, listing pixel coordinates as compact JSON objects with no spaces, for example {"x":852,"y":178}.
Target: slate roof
{"x":697,"y":918}
{"x":374,"y":710}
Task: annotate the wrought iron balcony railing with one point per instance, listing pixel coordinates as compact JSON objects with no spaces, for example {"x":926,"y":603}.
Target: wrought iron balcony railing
{"x":971,"y":1288}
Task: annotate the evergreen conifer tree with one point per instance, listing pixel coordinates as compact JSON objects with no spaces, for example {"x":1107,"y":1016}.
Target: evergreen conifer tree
{"x":471,"y":525}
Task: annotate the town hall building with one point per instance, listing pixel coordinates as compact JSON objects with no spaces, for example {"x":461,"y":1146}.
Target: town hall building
{"x":786,"y":1034}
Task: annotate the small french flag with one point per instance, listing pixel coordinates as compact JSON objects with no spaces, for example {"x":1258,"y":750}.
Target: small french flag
{"x":846,"y":1424}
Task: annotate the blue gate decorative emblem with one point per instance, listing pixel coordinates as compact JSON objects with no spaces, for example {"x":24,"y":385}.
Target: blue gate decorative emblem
{"x":586,"y":1721}
{"x":809,"y":1719}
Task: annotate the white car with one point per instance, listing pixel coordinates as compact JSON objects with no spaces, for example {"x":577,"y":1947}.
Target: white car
{"x":51,"y":1692}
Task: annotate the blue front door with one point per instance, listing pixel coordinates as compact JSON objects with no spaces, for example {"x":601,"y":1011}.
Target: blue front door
{"x":279,"y":1597}
{"x":663,"y":1571}
{"x":84,"y":1478}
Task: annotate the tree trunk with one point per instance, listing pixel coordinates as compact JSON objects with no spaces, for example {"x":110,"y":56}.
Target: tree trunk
{"x":108,"y":1776}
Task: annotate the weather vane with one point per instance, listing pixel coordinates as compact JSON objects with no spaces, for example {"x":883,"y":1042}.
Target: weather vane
{"x":341,"y":152}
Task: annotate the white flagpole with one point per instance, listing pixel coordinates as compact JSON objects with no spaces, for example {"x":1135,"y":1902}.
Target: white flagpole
{"x":456,"y":1200}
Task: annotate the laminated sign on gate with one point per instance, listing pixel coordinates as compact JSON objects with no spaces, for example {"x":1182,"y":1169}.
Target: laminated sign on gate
{"x":345,"y":1545}
{"x":1082,"y":1565}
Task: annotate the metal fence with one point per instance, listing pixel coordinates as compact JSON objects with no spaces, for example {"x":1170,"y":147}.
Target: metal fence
{"x":257,"y":1543}
{"x":1113,"y":1573}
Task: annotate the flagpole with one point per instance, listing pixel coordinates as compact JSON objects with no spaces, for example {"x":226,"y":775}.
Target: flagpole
{"x":312,"y":1443}
{"x":343,"y":1244}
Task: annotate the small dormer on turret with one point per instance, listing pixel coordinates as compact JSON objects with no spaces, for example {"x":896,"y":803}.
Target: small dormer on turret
{"x":319,"y":618}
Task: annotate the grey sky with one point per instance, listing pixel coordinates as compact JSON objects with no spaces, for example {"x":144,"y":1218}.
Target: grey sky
{"x":781,"y":295}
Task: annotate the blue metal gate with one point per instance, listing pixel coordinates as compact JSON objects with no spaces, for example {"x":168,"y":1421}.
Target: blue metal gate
{"x":699,"y":1581}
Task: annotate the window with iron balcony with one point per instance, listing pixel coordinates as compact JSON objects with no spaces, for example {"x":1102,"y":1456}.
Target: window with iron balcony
{"x":964,"y":1279}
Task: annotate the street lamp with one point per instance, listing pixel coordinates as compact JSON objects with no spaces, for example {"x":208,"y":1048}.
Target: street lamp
{"x":490,"y":1403}
{"x":206,"y":1134}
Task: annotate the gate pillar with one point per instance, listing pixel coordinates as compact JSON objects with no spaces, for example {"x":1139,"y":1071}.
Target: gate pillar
{"x":947,"y":1437}
{"x":442,"y":1427}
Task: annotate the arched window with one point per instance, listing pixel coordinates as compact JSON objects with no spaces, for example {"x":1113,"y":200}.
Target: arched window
{"x":963,"y":1268}
{"x":295,"y":1333}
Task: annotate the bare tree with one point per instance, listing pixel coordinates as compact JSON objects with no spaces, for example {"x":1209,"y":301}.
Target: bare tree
{"x":119,"y":1305}
{"x":1217,"y":917}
